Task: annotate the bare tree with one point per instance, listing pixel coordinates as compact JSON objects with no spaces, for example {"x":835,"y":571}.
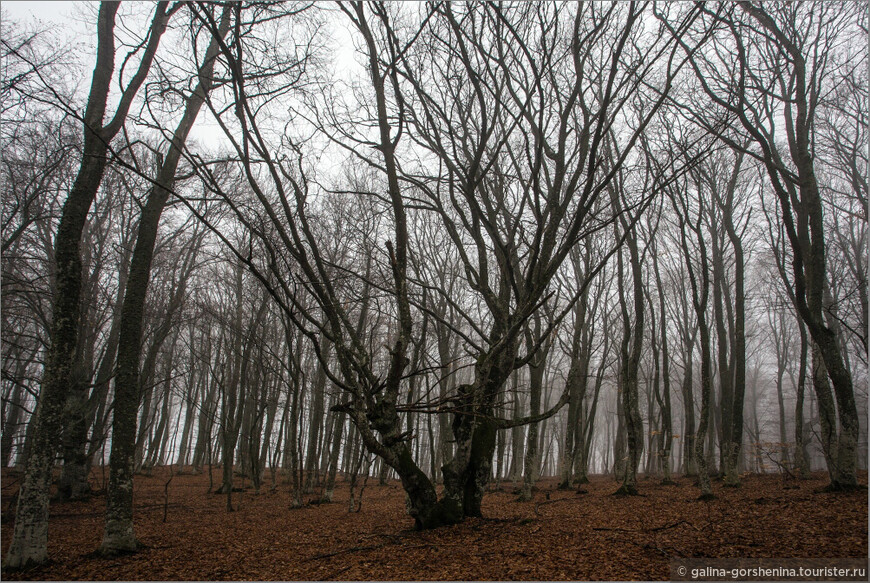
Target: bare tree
{"x":786,"y":57}
{"x":119,"y":536}
{"x":690,"y":212}
{"x":29,"y":542}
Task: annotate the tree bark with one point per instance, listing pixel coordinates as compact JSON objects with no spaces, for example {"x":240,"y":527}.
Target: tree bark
{"x":30,"y":537}
{"x":118,"y":536}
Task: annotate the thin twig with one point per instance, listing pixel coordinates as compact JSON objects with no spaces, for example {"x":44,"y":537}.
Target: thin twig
{"x":656,"y":529}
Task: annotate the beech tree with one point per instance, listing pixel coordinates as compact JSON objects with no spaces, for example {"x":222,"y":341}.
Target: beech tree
{"x":785,"y":56}
{"x":29,"y":542}
{"x":451,"y":244}
{"x":119,"y":536}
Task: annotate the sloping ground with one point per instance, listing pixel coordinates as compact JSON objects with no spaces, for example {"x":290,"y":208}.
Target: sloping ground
{"x":559,"y":535}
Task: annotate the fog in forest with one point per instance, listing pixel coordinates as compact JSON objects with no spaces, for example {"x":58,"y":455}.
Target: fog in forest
{"x":464,"y":249}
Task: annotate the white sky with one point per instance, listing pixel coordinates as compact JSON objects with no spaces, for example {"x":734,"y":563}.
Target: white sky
{"x":75,"y":21}
{"x":48,"y":12}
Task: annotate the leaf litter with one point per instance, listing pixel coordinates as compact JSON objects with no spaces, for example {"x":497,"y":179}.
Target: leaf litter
{"x":558,"y":535}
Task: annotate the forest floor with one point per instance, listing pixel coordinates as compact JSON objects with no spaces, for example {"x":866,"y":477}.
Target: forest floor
{"x":558,"y":535}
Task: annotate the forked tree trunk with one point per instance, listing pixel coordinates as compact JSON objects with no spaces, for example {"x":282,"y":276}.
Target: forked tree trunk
{"x":699,"y":279}
{"x":577,"y":383}
{"x":29,"y":539}
{"x":536,"y":386}
{"x":802,"y":213}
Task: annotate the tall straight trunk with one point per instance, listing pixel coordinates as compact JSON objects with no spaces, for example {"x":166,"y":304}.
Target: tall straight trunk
{"x":734,"y":432}
{"x":588,"y":427}
{"x":500,"y":454}
{"x":278,"y":443}
{"x":587,"y":414}
{"x":30,"y":537}
{"x":666,"y":437}
{"x":194,"y":387}
{"x":687,"y":388}
{"x":536,"y":381}
{"x":699,"y":279}
{"x":271,"y":412}
{"x":332,"y":468}
{"x":161,"y":431}
{"x":608,"y":439}
{"x":802,"y":460}
{"x":236,"y":383}
{"x":292,"y":439}
{"x":255,"y":431}
{"x":653,"y":397}
{"x":315,"y":429}
{"x":98,"y":404}
{"x":712,"y":469}
{"x":329,"y":429}
{"x":145,"y":418}
{"x":569,"y":447}
{"x":706,"y":391}
{"x":726,"y":397}
{"x":118,"y":535}
{"x":205,"y":426}
{"x":516,"y":434}
{"x":350,"y":446}
{"x":632,"y":345}
{"x":620,"y":455}
{"x":783,"y":440}
{"x":191,"y":401}
{"x":782,"y":345}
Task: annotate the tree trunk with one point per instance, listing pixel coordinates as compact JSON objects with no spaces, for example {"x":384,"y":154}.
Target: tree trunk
{"x":666,"y":437}
{"x":578,"y":382}
{"x":802,"y":214}
{"x":337,"y":431}
{"x":516,"y":434}
{"x":29,"y":539}
{"x":315,"y":429}
{"x":118,"y":535}
{"x":706,"y":390}
{"x":827,"y":413}
{"x":687,"y":389}
{"x":632,"y":345}
{"x":802,"y":463}
{"x":532,"y":461}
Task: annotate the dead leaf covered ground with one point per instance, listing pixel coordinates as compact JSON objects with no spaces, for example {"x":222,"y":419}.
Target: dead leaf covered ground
{"x":558,"y":535}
